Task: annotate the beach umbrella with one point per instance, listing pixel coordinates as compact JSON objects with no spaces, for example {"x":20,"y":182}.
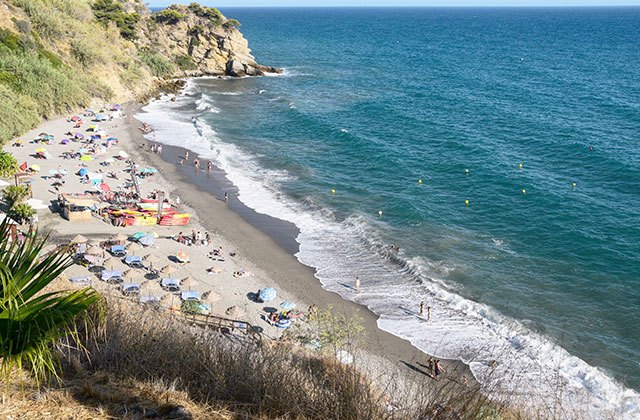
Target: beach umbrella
{"x":123,"y":154}
{"x":41,"y":150}
{"x":132,"y":275}
{"x":168,"y":270}
{"x":83,"y":172}
{"x":35,"y":167}
{"x":152,"y":287}
{"x":235,"y":312}
{"x":78,"y":135}
{"x":168,"y":299}
{"x":133,"y":247}
{"x":267,"y":294}
{"x":182,"y":256}
{"x":86,"y":158}
{"x":188,"y":282}
{"x":53,"y":172}
{"x":94,"y":250}
{"x":104,"y":187}
{"x":79,"y":239}
{"x":109,"y":262}
{"x":287,"y":306}
{"x":120,"y":237}
{"x":151,"y":258}
{"x":211,"y":296}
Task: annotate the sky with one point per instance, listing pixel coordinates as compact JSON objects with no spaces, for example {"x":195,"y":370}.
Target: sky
{"x":396,"y":3}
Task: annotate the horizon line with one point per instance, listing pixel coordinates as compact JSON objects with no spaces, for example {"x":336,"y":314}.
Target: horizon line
{"x":524,"y":6}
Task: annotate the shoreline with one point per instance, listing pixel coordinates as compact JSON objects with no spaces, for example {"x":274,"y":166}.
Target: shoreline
{"x":260,"y":238}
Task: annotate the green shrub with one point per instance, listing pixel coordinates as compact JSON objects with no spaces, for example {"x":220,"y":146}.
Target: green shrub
{"x":9,"y":40}
{"x":107,"y":11}
{"x":185,"y":62}
{"x":169,"y":16}
{"x":83,"y":52}
{"x":231,"y":24}
{"x":54,"y":89}
{"x":16,"y":194}
{"x":191,"y":307}
{"x":195,"y":30}
{"x":131,"y":75}
{"x":210,"y":13}
{"x":21,"y":212}
{"x":8,"y":165}
{"x":18,"y":113}
{"x":159,"y":65}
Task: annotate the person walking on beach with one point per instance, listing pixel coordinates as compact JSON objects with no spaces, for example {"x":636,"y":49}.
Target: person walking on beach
{"x":357,"y":283}
{"x":160,"y":149}
{"x":196,"y":163}
{"x":437,"y":369}
{"x":429,"y":313}
{"x":422,"y":308}
{"x":186,"y":155}
{"x":209,"y":166}
{"x":226,"y":197}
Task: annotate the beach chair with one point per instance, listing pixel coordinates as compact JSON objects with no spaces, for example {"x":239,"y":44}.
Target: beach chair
{"x":82,"y":280}
{"x":170,"y":285}
{"x":190,"y":295}
{"x":134,"y":261}
{"x":118,"y":250}
{"x":130,"y":289}
{"x":111,"y":276}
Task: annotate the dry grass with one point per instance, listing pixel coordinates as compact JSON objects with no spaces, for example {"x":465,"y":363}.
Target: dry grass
{"x":141,"y":361}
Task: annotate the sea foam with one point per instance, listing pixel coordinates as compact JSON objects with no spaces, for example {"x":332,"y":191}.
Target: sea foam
{"x":506,"y":357}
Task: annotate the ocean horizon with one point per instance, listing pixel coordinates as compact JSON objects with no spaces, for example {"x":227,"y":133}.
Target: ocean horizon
{"x":484,"y":161}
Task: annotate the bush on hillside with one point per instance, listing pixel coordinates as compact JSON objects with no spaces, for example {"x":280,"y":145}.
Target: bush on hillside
{"x":18,"y":113}
{"x":8,"y":166}
{"x":169,"y":16}
{"x":159,"y":65}
{"x":232,"y":24}
{"x":185,"y":62}
{"x":211,"y":13}
{"x":107,"y":11}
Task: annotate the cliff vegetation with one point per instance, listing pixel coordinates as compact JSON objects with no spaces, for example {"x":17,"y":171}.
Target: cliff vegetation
{"x":59,"y":55}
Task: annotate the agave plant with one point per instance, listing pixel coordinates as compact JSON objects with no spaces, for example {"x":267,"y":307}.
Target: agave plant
{"x":31,"y":319}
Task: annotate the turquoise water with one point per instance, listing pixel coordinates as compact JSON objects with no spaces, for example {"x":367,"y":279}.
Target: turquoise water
{"x":374,"y":100}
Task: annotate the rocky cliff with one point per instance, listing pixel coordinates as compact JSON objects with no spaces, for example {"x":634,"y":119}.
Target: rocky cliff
{"x":201,"y":41}
{"x":60,"y":55}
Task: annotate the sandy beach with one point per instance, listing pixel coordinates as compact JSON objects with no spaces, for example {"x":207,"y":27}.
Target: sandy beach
{"x":262,"y":247}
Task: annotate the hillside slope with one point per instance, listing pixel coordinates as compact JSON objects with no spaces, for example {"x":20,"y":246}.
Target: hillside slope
{"x":58,"y":55}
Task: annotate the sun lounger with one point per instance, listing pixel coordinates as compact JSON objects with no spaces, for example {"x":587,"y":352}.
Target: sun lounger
{"x":190,"y":295}
{"x":134,"y":261}
{"x":118,"y":251}
{"x":170,"y":285}
{"x":129,"y":289}
{"x":111,"y":276}
{"x":80,"y":280}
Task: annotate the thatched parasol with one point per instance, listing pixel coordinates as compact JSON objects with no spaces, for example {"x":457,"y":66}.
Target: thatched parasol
{"x":133,"y":247}
{"x":188,"y":282}
{"x":120,"y":237}
{"x":151,"y":287}
{"x":235,"y":312}
{"x":95,"y":250}
{"x":168,"y":270}
{"x":211,"y":296}
{"x":79,"y":239}
{"x":132,"y":276}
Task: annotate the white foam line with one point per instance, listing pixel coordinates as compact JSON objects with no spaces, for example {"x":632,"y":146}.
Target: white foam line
{"x":477,"y":334}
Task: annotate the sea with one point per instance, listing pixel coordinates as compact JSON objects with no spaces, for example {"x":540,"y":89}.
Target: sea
{"x":484,"y":161}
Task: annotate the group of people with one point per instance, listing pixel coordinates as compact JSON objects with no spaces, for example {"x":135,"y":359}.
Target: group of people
{"x":196,"y":238}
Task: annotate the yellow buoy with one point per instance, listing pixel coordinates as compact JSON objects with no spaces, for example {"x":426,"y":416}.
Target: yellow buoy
{"x":379,"y":212}
{"x":520,"y":166}
{"x":333,"y":191}
{"x":420,"y":181}
{"x":466,"y":171}
{"x":574,"y":185}
{"x":524,"y":191}
{"x":466,"y":202}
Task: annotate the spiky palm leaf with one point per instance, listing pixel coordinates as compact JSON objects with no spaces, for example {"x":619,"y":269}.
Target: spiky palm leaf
{"x":30,"y":321}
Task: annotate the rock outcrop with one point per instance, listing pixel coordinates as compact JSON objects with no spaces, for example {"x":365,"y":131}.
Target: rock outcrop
{"x":201,"y":41}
